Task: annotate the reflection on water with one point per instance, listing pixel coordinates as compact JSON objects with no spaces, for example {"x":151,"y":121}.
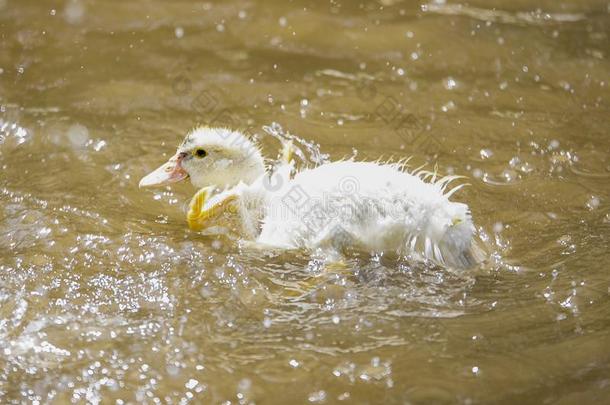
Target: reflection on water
{"x":106,"y":296}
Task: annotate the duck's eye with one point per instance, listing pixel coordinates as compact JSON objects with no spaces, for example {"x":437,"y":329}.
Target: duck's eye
{"x":200,"y":153}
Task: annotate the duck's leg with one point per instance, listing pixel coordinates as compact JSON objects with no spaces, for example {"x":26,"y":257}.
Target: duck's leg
{"x":199,"y":215}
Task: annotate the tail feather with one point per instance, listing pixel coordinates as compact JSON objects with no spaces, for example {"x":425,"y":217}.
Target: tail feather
{"x":456,"y":247}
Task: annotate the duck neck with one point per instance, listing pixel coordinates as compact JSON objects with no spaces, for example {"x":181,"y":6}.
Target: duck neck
{"x":252,"y":167}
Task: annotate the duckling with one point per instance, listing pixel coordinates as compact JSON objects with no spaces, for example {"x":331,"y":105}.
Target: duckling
{"x":328,"y":209}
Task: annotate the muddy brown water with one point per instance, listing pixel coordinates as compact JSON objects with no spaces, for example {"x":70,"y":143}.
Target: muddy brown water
{"x":106,"y":296}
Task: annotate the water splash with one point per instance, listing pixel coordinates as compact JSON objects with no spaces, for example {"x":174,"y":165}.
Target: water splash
{"x":309,"y":152}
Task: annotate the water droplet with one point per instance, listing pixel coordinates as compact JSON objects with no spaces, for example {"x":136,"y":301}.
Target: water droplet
{"x":191,"y":384}
{"x":509,"y":175}
{"x":78,"y":135}
{"x":44,"y":232}
{"x":450,"y":105}
{"x":450,"y":83}
{"x":593,"y":203}
{"x":74,"y":12}
{"x":486,"y":153}
{"x":498,"y":227}
{"x":99,"y":145}
{"x":317,"y":396}
{"x":244,"y":385}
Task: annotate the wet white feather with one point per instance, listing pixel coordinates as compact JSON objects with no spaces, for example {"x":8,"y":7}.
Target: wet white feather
{"x":386,"y":209}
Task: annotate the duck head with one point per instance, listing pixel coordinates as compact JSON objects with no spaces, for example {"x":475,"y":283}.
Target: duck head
{"x":210,"y":157}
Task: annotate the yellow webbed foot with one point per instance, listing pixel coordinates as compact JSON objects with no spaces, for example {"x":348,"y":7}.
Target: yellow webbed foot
{"x":199,"y":216}
{"x":196,"y":216}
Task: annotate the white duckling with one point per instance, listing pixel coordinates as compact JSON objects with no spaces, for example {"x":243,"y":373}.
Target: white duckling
{"x":336,"y":206}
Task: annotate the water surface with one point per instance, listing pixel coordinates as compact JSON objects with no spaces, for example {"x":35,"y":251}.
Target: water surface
{"x":106,"y":296}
